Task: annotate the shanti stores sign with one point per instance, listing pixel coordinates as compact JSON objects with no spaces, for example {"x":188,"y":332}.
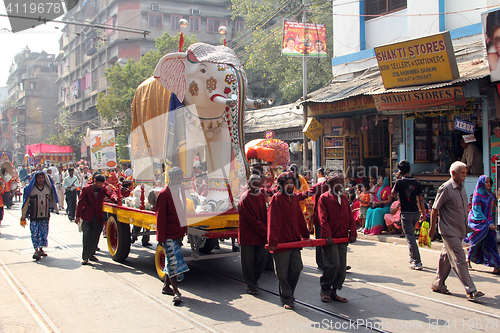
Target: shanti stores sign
{"x":418,"y":61}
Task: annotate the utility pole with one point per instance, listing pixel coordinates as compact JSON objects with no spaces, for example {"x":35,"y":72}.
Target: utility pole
{"x":304,"y":93}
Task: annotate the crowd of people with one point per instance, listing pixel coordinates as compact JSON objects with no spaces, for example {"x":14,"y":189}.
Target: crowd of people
{"x":273,"y":223}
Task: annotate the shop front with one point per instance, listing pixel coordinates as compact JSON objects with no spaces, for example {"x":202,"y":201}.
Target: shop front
{"x":355,"y":140}
{"x":440,"y":124}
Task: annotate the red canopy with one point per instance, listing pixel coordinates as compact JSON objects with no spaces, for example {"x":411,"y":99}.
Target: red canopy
{"x":43,"y":148}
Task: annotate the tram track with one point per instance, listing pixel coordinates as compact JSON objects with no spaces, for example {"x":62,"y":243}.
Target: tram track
{"x":155,"y":300}
{"x":413,"y":295}
{"x":302,"y":303}
{"x":35,"y":310}
{"x":203,"y":326}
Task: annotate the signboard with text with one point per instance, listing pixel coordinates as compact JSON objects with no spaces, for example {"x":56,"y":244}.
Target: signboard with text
{"x":443,"y":98}
{"x":359,"y":103}
{"x":418,"y":61}
{"x":102,"y":149}
{"x":464,"y":126}
{"x":313,"y":129}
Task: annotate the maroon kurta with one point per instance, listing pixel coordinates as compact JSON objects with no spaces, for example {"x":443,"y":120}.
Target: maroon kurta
{"x":168,"y":218}
{"x":89,"y":205}
{"x":336,"y":220}
{"x":253,"y":219}
{"x":285,"y":221}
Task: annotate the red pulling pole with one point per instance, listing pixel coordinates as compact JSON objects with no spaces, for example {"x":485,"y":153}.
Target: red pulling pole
{"x":309,"y":243}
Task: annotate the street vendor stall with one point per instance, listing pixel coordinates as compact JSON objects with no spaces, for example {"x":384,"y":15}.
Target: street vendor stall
{"x":45,"y":153}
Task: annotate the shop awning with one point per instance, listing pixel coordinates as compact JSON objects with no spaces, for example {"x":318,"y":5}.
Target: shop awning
{"x":275,"y":118}
{"x":43,"y":148}
{"x":370,"y":83}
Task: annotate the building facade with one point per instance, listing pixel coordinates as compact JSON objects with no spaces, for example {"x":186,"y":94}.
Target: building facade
{"x":29,"y":116}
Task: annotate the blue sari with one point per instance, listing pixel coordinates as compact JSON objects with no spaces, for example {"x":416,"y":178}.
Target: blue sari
{"x":375,"y":222}
{"x":483,"y":249}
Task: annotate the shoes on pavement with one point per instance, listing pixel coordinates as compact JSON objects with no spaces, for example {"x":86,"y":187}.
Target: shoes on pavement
{"x":473,"y":295}
{"x":85,"y":262}
{"x":37,"y":256}
{"x":42,"y":253}
{"x":93,"y":258}
{"x":252,"y":291}
{"x":417,"y":267}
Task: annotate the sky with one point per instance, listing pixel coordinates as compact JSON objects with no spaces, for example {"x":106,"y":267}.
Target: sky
{"x":41,"y":38}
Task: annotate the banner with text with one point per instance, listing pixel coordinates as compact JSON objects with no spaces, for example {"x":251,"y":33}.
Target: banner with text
{"x":434,"y":99}
{"x":102,"y":149}
{"x":359,"y":103}
{"x":304,"y":39}
{"x":418,"y":61}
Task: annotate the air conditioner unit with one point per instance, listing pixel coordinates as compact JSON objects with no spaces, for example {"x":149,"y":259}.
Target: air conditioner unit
{"x":155,"y":7}
{"x":195,"y":11}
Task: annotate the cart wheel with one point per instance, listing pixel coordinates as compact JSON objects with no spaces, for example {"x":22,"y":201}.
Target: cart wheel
{"x":207,"y":244}
{"x":160,"y":262}
{"x":118,"y":236}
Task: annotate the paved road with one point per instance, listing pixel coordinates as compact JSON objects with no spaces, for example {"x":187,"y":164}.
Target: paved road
{"x":57,"y":294}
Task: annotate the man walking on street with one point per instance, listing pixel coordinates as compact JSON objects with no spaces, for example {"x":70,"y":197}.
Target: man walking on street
{"x":71,"y":183}
{"x":252,"y":233}
{"x":89,"y":213}
{"x":171,"y":227}
{"x":451,"y":203}
{"x":336,"y":220}
{"x":410,"y":192}
{"x":58,"y":182}
{"x":39,"y":197}
{"x":286,"y":223}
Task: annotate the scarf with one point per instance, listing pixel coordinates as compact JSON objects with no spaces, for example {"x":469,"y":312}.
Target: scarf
{"x":481,"y":213}
{"x":381,"y":188}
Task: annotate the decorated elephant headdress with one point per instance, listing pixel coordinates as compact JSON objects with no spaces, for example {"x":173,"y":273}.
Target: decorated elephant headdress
{"x":172,"y":71}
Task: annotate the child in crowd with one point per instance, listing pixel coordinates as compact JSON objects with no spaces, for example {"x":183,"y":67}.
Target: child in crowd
{"x":364,"y":199}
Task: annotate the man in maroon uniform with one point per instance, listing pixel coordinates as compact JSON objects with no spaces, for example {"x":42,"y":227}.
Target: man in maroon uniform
{"x":89,"y":212}
{"x":171,"y":227}
{"x":286,"y":224}
{"x":336,"y":221}
{"x":252,"y":233}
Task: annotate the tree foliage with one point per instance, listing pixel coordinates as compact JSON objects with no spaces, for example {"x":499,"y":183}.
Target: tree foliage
{"x":115,"y":104}
{"x":67,"y":136}
{"x":259,"y":47}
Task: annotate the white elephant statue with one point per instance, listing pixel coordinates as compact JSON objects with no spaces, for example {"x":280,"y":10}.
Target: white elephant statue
{"x":210,"y":81}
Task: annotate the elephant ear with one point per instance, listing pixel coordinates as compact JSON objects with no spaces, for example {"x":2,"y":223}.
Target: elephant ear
{"x":170,"y":71}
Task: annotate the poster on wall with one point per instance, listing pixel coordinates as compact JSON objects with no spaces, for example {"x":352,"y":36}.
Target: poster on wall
{"x":495,"y":153}
{"x":102,"y":149}
{"x":304,"y":39}
{"x":491,"y":30}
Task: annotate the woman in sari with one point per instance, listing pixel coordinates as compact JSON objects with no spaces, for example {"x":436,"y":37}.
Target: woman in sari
{"x":356,"y":204}
{"x":483,"y":249}
{"x":375,"y":222}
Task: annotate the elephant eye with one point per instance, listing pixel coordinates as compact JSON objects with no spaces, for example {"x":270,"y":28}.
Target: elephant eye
{"x":202,"y":70}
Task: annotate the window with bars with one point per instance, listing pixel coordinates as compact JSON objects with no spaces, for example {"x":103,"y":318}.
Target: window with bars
{"x":174,"y":22}
{"x":375,"y":8}
{"x":213,"y":24}
{"x":155,"y":20}
{"x":194,"y":23}
{"x":238,"y":26}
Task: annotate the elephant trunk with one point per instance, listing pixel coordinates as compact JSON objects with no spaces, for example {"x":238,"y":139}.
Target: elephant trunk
{"x":230,"y":102}
{"x":257,"y":103}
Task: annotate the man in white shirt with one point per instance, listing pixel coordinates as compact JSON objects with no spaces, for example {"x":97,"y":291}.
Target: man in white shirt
{"x":128,"y":172}
{"x":71,"y":183}
{"x":58,"y":178}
